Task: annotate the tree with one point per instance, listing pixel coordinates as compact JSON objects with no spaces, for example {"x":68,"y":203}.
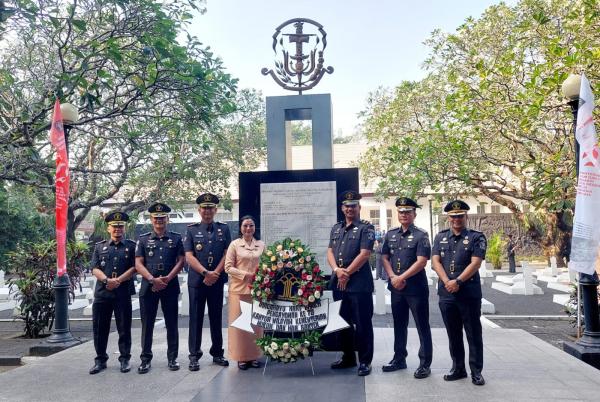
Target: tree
{"x":149,"y":105}
{"x":23,"y":218}
{"x":489,"y":118}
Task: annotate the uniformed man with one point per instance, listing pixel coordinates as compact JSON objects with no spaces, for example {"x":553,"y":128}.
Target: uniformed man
{"x":205,"y":245}
{"x":159,"y":258}
{"x":350,"y":246}
{"x":405,"y":252}
{"x":113,"y":265}
{"x":456,"y":257}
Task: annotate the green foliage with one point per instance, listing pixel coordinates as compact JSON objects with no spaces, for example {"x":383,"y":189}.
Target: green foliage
{"x":34,"y":269}
{"x":495,"y":250}
{"x":489,"y":118}
{"x":20,"y":214}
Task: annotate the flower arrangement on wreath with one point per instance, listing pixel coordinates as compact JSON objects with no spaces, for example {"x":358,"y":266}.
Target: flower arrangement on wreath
{"x":291,"y":349}
{"x":287,"y":255}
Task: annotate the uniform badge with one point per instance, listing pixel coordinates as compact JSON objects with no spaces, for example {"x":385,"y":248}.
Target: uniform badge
{"x":465,"y":242}
{"x":170,"y":241}
{"x":126,"y":250}
{"x":410,"y":238}
{"x":445,"y":239}
{"x":199,"y":247}
{"x":150,"y":253}
{"x":441,"y":254}
{"x":104,"y":248}
{"x":103,"y":263}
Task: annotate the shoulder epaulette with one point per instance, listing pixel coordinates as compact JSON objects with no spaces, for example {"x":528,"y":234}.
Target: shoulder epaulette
{"x":146,"y":234}
{"x":420,"y":230}
{"x":193,"y":224}
{"x":365,"y":222}
{"x":393,"y":228}
{"x":175,"y":233}
{"x":475,"y":231}
{"x":101,"y":241}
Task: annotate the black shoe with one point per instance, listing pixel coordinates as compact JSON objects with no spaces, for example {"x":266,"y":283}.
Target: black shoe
{"x":243,"y":365}
{"x":342,"y":364}
{"x":364,"y":369}
{"x":477,"y":379}
{"x":125,"y":366}
{"x":173,"y":365}
{"x":144,"y":368}
{"x":220,"y":361}
{"x":455,"y":374}
{"x":422,"y":372}
{"x":255,"y":364}
{"x":394,"y":365}
{"x":98,"y":367}
{"x":194,"y":365}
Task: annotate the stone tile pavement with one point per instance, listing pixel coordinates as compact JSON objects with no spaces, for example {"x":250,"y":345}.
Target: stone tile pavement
{"x":518,"y":367}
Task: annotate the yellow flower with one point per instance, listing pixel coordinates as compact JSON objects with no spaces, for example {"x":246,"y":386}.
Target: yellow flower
{"x":300,"y":250}
{"x":273,"y":258}
{"x":301,"y":260}
{"x":269,"y":253}
{"x":279,"y":247}
{"x":292,"y":244}
{"x":286,"y":256}
{"x":274,"y":267}
{"x":264,"y":265}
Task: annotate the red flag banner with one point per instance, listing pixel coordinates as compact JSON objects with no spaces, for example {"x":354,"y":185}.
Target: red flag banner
{"x":57,"y":138}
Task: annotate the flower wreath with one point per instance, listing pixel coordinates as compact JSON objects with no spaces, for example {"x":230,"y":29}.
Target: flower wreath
{"x":288,"y":254}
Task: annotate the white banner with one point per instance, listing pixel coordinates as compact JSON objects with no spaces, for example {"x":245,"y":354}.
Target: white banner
{"x":586,"y":231}
{"x":284,"y":316}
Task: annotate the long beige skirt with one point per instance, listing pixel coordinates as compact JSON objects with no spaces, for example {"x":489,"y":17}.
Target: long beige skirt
{"x":242,"y":345}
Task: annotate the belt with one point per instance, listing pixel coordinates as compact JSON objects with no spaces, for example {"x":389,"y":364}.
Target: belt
{"x":456,"y":268}
{"x":158,"y":267}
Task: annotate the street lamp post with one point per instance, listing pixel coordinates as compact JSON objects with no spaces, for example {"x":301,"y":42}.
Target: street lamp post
{"x":430,"y":199}
{"x":61,"y":333}
{"x":587,"y":348}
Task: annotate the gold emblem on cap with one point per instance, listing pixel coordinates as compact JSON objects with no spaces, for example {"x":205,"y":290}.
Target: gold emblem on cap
{"x":456,"y":205}
{"x":207,"y":198}
{"x":349,"y":196}
{"x":158,"y":208}
{"x":117,"y":216}
{"x":403,"y":201}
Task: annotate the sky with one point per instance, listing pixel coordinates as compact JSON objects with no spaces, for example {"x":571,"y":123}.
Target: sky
{"x":369,"y":44}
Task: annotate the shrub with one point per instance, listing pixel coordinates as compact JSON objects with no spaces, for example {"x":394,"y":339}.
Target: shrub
{"x":495,"y":250}
{"x":34,"y":269}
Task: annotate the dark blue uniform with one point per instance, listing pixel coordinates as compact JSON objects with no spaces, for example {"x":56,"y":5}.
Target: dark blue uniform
{"x":357,"y":299}
{"x":113,"y":259}
{"x":208,"y":242}
{"x":160,"y":256}
{"x":402,"y":249}
{"x":462,"y":308}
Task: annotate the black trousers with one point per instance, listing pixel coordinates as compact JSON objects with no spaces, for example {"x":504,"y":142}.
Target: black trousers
{"x":512,"y":266}
{"x":357,"y":310}
{"x":419,"y":307}
{"x":458,"y":314}
{"x":102,"y":311}
{"x":148,"y":309}
{"x":199,"y":298}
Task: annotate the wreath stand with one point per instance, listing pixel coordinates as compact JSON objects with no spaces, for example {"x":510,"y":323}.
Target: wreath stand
{"x":312,"y":367}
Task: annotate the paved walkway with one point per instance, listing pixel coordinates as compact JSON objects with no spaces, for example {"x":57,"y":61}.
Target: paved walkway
{"x":518,"y":367}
